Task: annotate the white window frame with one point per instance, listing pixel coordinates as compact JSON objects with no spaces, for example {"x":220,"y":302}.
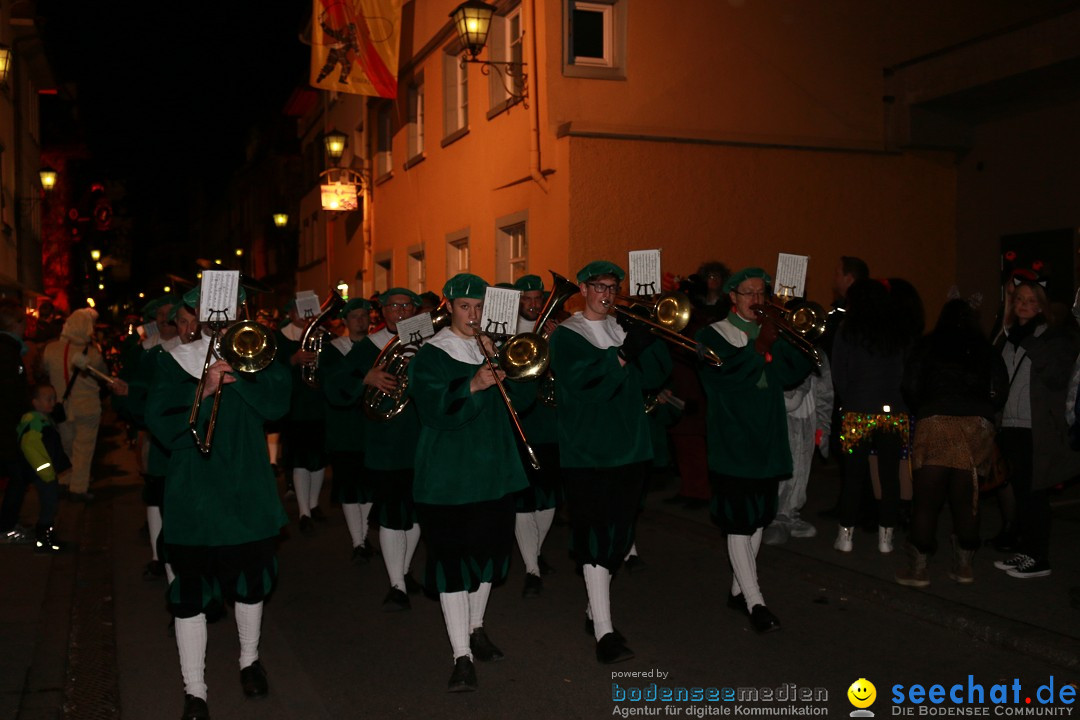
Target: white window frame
{"x":417,"y":269}
{"x":455,"y":95}
{"x":505,"y":46}
{"x":612,"y":66}
{"x":416,"y":121}
{"x":511,"y":248}
{"x":457,"y":252}
{"x":384,"y":141}
{"x":383,"y":272}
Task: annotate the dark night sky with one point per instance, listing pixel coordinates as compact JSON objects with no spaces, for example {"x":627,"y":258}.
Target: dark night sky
{"x":167,"y":92}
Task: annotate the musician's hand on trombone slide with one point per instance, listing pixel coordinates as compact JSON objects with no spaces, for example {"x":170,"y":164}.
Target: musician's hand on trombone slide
{"x":384,"y":381}
{"x":217,"y":375}
{"x":769,"y":331}
{"x":484,"y":378}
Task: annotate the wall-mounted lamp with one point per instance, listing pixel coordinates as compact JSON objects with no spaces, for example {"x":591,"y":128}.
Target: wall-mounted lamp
{"x":281,"y":219}
{"x":48,"y":178}
{"x":5,"y":63}
{"x":335,"y":142}
{"x":472,"y":21}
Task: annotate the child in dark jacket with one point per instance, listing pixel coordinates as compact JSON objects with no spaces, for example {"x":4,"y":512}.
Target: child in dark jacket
{"x":42,"y":450}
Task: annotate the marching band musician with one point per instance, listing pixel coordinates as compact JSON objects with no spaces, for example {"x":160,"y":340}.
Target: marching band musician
{"x":602,"y":366}
{"x":345,"y":427}
{"x":747,"y":431}
{"x":389,"y":449}
{"x":467,"y":471}
{"x":304,"y":428}
{"x":536,"y":503}
{"x":224,"y":514}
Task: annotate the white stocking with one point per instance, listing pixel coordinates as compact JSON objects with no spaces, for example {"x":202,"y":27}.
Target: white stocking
{"x":153,"y":521}
{"x":355,"y":521}
{"x":316,"y":486}
{"x":191,"y":642}
{"x":249,"y":629}
{"x":478,"y":600}
{"x":598,"y":587}
{"x":301,"y":480}
{"x":455,"y":610}
{"x":528,"y":541}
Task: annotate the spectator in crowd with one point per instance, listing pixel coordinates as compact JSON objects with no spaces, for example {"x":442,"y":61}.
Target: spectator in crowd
{"x":45,"y":460}
{"x":15,"y":389}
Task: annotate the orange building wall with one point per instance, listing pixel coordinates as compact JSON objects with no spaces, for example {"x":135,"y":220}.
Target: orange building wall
{"x":742,"y":206}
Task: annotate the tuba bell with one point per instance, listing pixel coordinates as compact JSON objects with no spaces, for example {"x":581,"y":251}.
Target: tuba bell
{"x":314,"y":334}
{"x":525,"y":356}
{"x":394,"y":359}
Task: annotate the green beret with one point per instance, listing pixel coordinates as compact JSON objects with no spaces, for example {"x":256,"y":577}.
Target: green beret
{"x":289,"y":306}
{"x":465,"y":285}
{"x":429,"y":297}
{"x":529,"y":283}
{"x":354,"y":304}
{"x":745,"y":274}
{"x":400,"y":291}
{"x":149,"y":311}
{"x":505,"y":286}
{"x":600,"y":267}
{"x":191,"y":300}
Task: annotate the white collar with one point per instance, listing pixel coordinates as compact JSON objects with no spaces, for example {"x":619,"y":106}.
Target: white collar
{"x":293,"y":332}
{"x":381,"y":336}
{"x":343,"y":343}
{"x":464,"y":350}
{"x":602,"y":334}
{"x":192,"y":356}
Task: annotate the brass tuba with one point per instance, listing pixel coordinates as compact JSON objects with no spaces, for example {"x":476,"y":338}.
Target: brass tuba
{"x":314,"y":334}
{"x":248,"y":347}
{"x":394,"y":359}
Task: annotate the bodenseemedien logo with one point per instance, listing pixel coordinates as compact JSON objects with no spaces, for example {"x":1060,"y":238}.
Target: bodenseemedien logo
{"x":862,"y":694}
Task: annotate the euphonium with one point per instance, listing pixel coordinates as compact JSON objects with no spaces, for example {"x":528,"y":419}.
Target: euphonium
{"x":312,"y":339}
{"x":248,"y":347}
{"x":394,"y":359}
{"x":526,"y":355}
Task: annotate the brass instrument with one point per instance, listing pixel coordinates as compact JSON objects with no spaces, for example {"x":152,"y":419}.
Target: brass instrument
{"x":394,"y":359}
{"x":312,"y":339}
{"x":248,"y":347}
{"x":668,"y":315}
{"x":525,"y":356}
{"x":506,"y":398}
{"x":801,"y":326}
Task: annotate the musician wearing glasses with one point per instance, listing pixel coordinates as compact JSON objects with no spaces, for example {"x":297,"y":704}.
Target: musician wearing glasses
{"x":304,"y":428}
{"x":602,"y":368}
{"x":224,"y":514}
{"x":345,"y":427}
{"x":389,"y":449}
{"x":746,"y":424}
{"x":468,"y":469}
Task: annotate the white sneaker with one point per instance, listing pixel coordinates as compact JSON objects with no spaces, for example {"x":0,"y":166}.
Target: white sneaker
{"x":801,"y":529}
{"x":884,"y":540}
{"x":844,"y":542}
{"x":1015,"y":561}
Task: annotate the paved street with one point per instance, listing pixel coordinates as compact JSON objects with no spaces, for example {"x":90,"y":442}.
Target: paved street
{"x":85,"y":635}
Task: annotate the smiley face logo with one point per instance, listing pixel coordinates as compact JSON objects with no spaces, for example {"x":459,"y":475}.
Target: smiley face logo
{"x":862,"y":693}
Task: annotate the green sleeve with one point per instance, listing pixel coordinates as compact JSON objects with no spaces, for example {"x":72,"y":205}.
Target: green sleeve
{"x":266,"y":392}
{"x":654,"y":365}
{"x":441,"y":389}
{"x":741,"y":364}
{"x":33,"y":449}
{"x":593,"y":375}
{"x":343,"y":380}
{"x":789,"y":366}
{"x":169,"y":402}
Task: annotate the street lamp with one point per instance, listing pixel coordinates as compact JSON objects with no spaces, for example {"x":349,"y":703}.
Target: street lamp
{"x":472,"y":21}
{"x":281,"y":219}
{"x":335,"y":142}
{"x":48,"y":178}
{"x":5,"y":63}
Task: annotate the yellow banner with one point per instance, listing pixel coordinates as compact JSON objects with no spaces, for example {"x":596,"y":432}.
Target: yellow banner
{"x":355,"y":45}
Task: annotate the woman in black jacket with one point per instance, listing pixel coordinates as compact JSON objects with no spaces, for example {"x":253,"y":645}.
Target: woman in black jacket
{"x":955,"y":382}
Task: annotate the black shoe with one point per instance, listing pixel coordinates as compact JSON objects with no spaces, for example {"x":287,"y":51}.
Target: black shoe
{"x":361,"y":555}
{"x":411,"y":586}
{"x":155,"y":570}
{"x":545,"y":569}
{"x":737,"y":602}
{"x":763,"y":620}
{"x":317,"y":514}
{"x":307,"y":526}
{"x":396,"y":600}
{"x":590,"y":630}
{"x":463,"y":679}
{"x":195,"y":709}
{"x":610,"y":649}
{"x":533,"y":586}
{"x":482,"y":648}
{"x":253,"y":680}
{"x":634,"y":564}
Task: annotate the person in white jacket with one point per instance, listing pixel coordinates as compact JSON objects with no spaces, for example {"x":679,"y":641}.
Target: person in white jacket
{"x":809,"y":417}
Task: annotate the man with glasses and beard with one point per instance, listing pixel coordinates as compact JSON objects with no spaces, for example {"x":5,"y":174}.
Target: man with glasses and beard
{"x":603,"y":366}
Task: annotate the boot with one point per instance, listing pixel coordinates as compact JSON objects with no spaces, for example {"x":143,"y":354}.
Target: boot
{"x":885,"y":539}
{"x":913,"y":574}
{"x":961,"y":570}
{"x":844,"y":542}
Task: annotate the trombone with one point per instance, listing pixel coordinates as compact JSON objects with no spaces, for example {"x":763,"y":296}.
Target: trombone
{"x":801,"y":326}
{"x":479,"y":335}
{"x":248,"y":347}
{"x":668,"y":315}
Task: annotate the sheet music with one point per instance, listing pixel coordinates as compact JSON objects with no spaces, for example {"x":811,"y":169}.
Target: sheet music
{"x":148,"y":330}
{"x":644,"y":272}
{"x":307,"y":304}
{"x":416,"y":329}
{"x":500,"y":311}
{"x":791,"y":275}
{"x":218,"y":294}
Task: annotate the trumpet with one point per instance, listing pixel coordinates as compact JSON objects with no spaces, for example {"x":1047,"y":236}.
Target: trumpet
{"x":668,"y":315}
{"x":248,"y":347}
{"x":479,"y":335}
{"x":801,"y":326}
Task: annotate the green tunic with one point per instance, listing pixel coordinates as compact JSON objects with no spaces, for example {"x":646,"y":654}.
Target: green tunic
{"x":389,"y":445}
{"x":746,"y":422}
{"x":467,"y":451}
{"x":228,"y":497}
{"x":342,"y":386}
{"x":307,"y":402}
{"x":601,"y":410}
{"x":139,"y":385}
